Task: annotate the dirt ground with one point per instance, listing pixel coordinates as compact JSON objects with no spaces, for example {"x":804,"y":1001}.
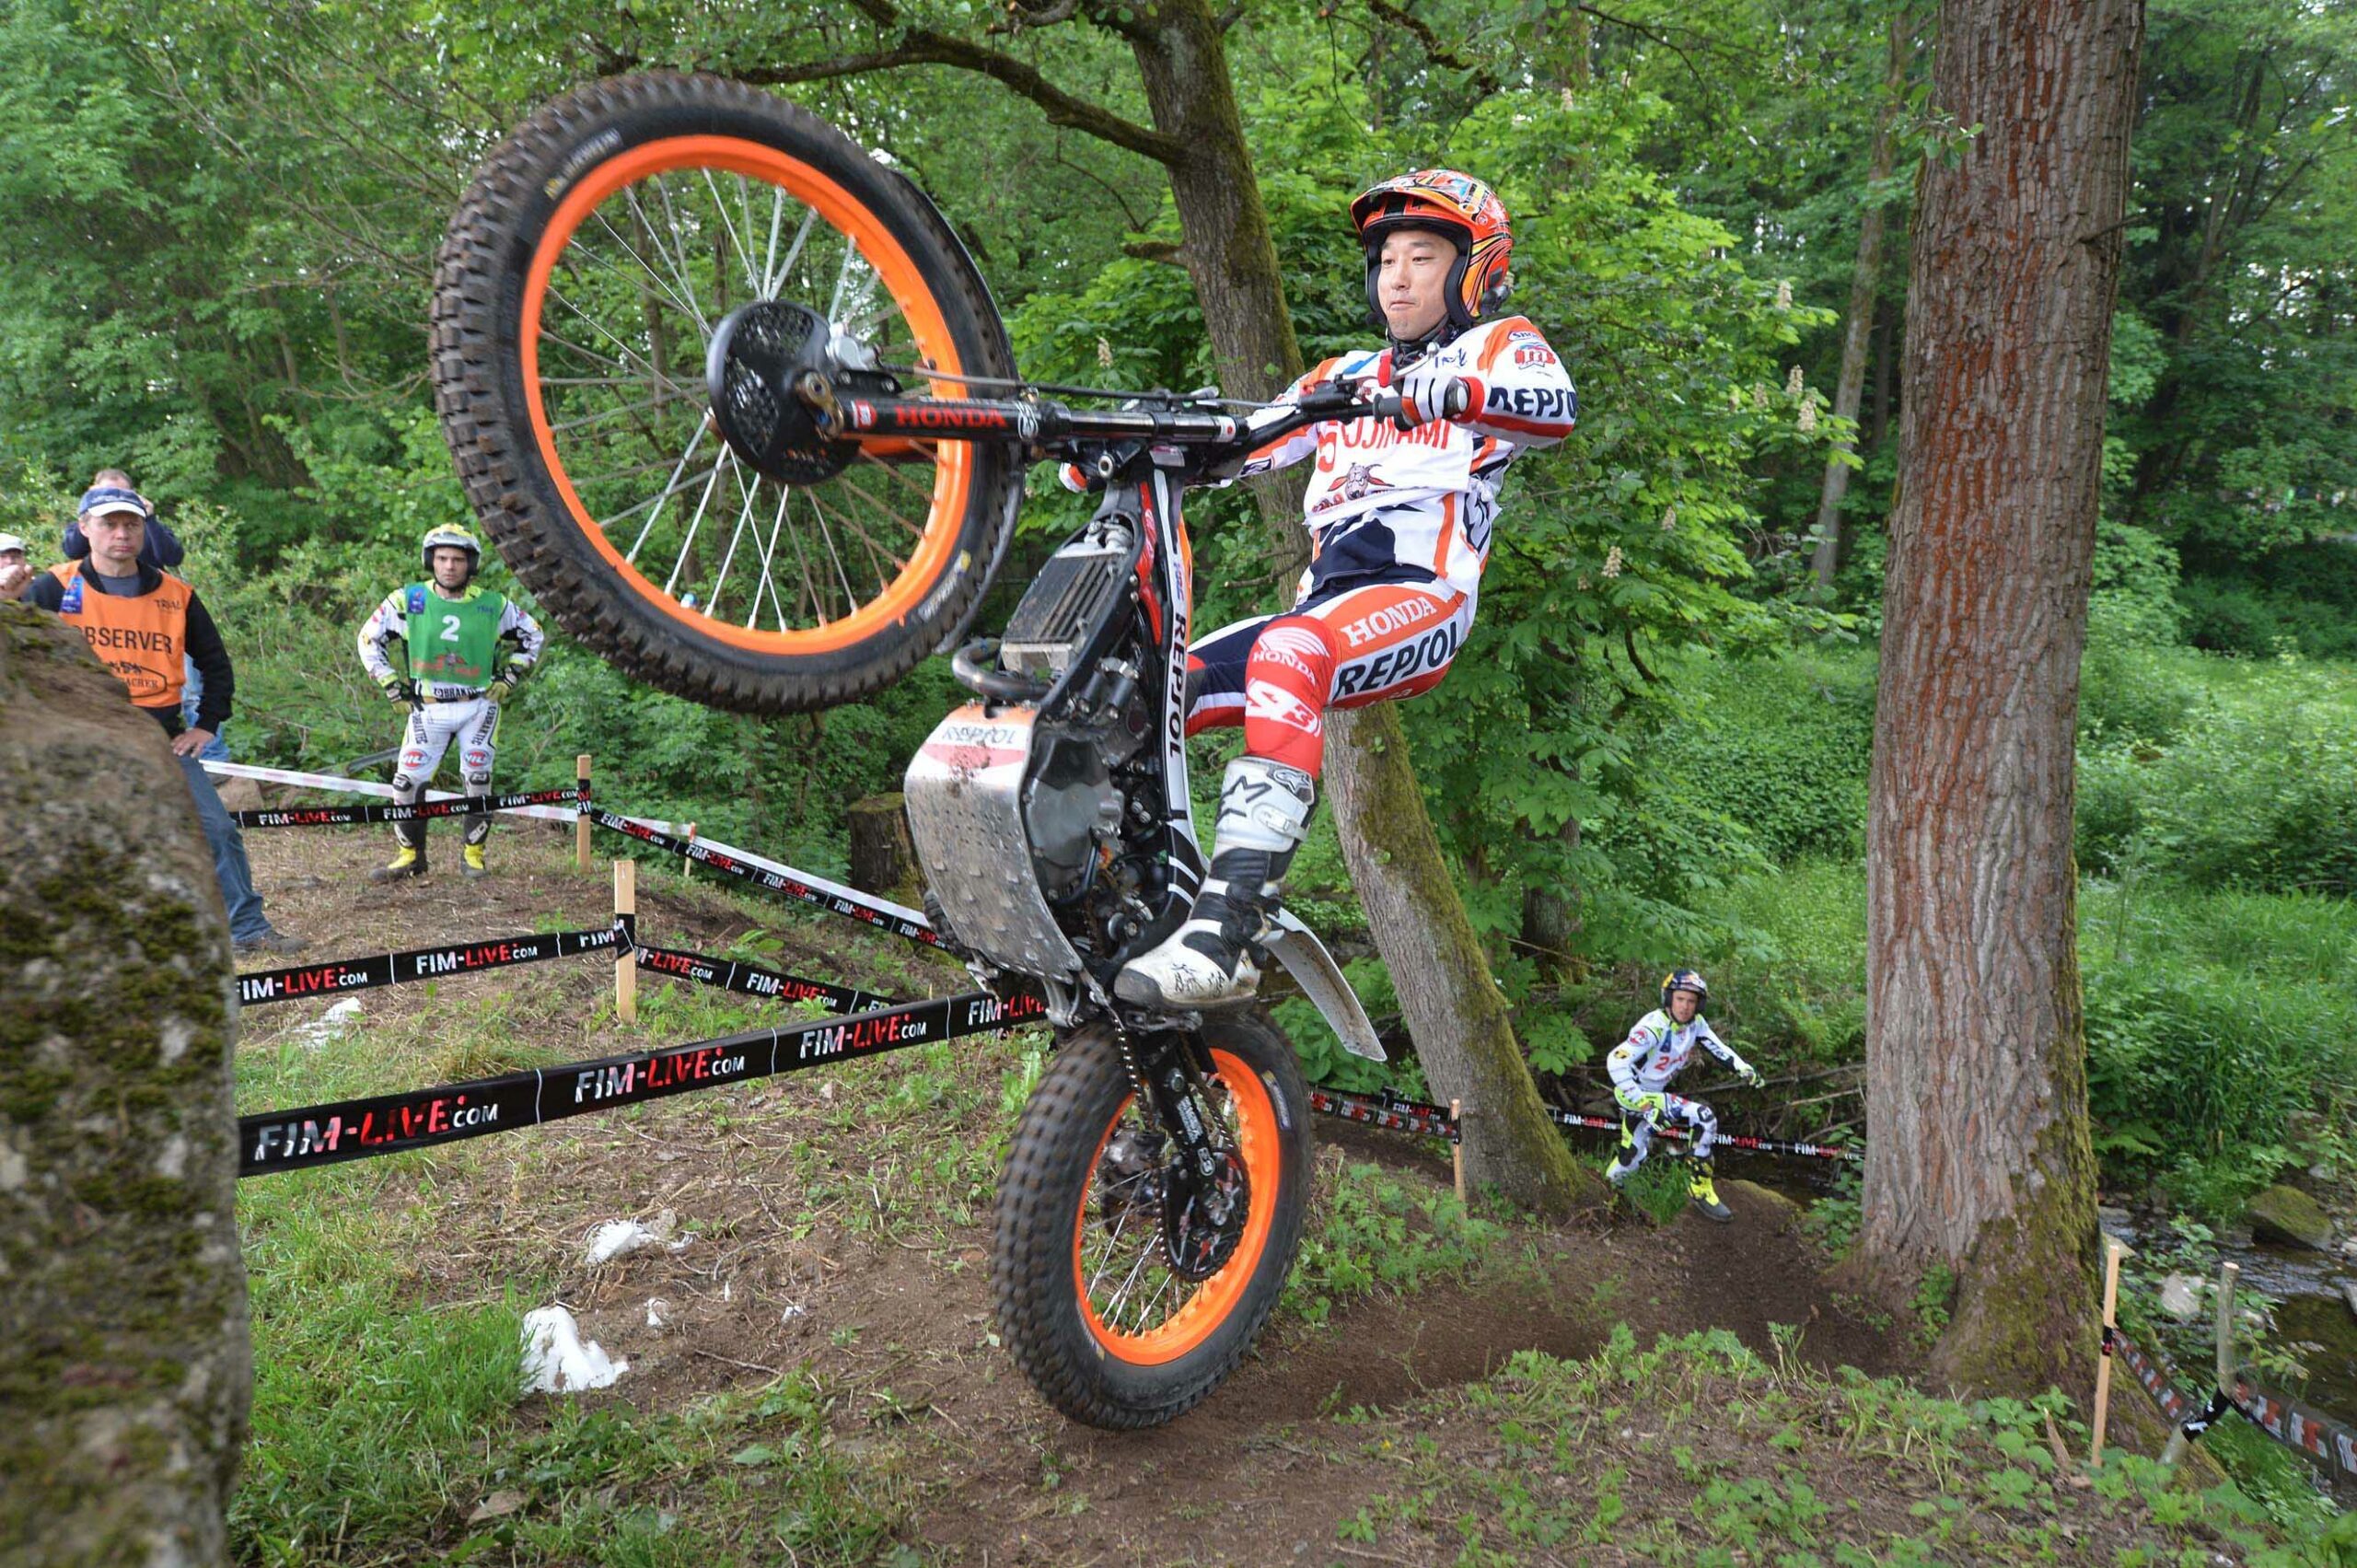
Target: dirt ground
{"x":840,"y":1219}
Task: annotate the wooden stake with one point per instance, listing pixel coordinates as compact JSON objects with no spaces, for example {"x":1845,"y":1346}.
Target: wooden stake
{"x":2227,"y":1273}
{"x":626,"y":965}
{"x":581,"y":822}
{"x":687,"y":866}
{"x":2114,"y":1250}
{"x":1456,"y":1146}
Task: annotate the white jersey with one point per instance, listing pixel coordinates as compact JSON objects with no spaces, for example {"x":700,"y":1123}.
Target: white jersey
{"x":1414,"y":506}
{"x":1657,"y":1049}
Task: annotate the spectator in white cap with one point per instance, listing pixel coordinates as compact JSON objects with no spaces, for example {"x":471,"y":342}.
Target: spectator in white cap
{"x":12,"y":551}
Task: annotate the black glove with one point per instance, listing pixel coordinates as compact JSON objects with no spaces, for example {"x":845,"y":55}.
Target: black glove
{"x":400,"y":694}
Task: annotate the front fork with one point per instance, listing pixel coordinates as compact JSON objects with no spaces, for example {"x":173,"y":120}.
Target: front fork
{"x":1206,"y":1195}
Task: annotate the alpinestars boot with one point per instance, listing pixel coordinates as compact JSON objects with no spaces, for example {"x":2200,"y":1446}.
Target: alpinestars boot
{"x":409,"y":863}
{"x":1704,"y":1195}
{"x":471,"y":863}
{"x":1210,"y":961}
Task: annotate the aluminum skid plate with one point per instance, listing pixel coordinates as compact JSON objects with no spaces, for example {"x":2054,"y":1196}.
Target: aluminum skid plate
{"x":964,"y":795}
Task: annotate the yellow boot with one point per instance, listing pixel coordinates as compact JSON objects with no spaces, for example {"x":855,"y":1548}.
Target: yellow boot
{"x":407,"y":863}
{"x":471,"y":863}
{"x":1706,"y":1196}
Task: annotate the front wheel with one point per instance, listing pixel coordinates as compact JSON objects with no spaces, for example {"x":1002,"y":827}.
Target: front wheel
{"x":594,"y":260}
{"x":1102,"y":1325}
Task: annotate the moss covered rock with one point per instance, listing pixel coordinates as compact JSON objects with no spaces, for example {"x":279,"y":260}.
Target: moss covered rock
{"x":124,"y":1361}
{"x":2286,"y":1214}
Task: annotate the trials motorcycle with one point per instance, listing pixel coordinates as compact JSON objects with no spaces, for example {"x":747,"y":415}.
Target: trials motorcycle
{"x":734,"y":404}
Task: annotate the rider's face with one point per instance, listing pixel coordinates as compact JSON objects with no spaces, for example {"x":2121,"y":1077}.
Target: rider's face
{"x":450,"y":568}
{"x":1683,"y":1006}
{"x":1412,"y":281}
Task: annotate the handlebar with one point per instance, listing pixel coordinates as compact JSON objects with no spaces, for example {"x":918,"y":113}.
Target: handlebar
{"x":1044,"y":424}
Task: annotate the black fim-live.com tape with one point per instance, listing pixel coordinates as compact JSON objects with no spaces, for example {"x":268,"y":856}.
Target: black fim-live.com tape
{"x":342,"y":816}
{"x":385,"y":1124}
{"x":335,"y":976}
{"x":755,"y":982}
{"x":761,"y":876}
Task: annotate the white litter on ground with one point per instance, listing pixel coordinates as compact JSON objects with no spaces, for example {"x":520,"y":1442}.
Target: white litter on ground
{"x":655,"y":1307}
{"x":618,"y":1238}
{"x":330,"y":1026}
{"x":556,"y":1362}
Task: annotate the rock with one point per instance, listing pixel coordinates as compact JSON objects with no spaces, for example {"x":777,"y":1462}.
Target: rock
{"x":2181,"y":1297}
{"x":2286,"y":1214}
{"x":238,"y":795}
{"x":2349,"y":1294}
{"x":1779,"y":1207}
{"x":2119,"y":1222}
{"x":122,"y":1309}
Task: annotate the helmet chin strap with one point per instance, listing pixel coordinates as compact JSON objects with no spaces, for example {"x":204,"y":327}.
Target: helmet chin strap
{"x":1407,"y":351}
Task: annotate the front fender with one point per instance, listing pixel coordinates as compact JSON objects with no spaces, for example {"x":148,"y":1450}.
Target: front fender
{"x":1313,"y":969}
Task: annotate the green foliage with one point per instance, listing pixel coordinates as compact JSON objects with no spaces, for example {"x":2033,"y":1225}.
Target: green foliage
{"x":2256,"y":787}
{"x":1372,"y":1232}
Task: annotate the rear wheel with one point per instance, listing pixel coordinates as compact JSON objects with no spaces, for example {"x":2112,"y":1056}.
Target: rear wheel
{"x":578,"y":291}
{"x":1088,"y":1303}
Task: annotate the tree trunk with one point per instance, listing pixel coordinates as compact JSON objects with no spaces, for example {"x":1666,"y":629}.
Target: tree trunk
{"x":1865,"y":279}
{"x":1976,"y":1050}
{"x":1454,"y":1011}
{"x":124,"y":1367}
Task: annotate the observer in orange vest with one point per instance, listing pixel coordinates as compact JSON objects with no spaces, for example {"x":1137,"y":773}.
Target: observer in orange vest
{"x":141,"y":622}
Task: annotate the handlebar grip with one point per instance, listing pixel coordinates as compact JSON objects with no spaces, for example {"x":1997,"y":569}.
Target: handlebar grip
{"x":972,"y":665}
{"x":1455,"y":401}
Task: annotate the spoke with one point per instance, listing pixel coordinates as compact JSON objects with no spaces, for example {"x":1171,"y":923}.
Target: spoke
{"x":844,"y":480}
{"x":777,"y":220}
{"x":652,"y":370}
{"x":776,"y":281}
{"x":655,"y":277}
{"x":1145,"y":1314}
{"x":670,"y":486}
{"x":809,"y":590}
{"x":679,"y":270}
{"x":867,"y":327}
{"x":1113,"y":1303}
{"x":842,"y":279}
{"x":711,"y":603}
{"x":744,"y":251}
{"x":769,"y":550}
{"x":851,"y":599}
{"x":894,"y":470}
{"x":679,"y":246}
{"x":697,"y":521}
{"x":615,"y":412}
{"x":744,"y":514}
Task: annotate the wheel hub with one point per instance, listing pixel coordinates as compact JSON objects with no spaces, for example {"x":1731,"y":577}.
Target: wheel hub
{"x":1203,"y":1218}
{"x":755,"y":371}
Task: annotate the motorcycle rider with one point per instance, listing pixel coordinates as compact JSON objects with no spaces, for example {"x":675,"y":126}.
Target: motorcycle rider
{"x":1399,"y":518}
{"x":449,"y":627}
{"x":1641,"y":1067}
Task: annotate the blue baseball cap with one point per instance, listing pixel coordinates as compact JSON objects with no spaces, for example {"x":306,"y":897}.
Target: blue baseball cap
{"x":100,"y":499}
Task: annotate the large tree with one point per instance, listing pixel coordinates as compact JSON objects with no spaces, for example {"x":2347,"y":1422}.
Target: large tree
{"x":1976,"y":1048}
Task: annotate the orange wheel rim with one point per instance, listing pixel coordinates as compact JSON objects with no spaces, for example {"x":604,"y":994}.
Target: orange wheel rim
{"x":954,"y":478}
{"x":1214,"y":1300}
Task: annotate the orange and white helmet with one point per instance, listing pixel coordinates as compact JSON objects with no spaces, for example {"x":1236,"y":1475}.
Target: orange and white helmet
{"x":1456,"y":204}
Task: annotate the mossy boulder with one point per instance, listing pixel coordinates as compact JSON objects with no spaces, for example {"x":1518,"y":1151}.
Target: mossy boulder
{"x":2286,"y":1214}
{"x":1771,"y":1206}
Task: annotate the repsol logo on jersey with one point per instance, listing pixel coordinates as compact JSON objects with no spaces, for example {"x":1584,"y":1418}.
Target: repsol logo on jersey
{"x":1532,"y":402}
{"x":1405,"y":662}
{"x":1389,"y":618}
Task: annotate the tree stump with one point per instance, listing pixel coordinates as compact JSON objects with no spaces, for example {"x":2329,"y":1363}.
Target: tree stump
{"x":883,"y":858}
{"x":124,"y":1364}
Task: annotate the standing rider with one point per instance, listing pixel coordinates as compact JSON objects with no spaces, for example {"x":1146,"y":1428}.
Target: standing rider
{"x":1641,"y":1067}
{"x":449,"y":677}
{"x":1399,"y":518}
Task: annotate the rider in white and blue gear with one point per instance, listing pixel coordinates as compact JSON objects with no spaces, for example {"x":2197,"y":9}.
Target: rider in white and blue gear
{"x":1641,"y":1067}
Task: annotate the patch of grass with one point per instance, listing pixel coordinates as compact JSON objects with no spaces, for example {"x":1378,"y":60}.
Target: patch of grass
{"x":1695,"y":1451}
{"x":1372,"y":1232}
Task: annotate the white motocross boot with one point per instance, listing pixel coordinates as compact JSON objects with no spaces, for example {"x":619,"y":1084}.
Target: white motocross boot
{"x":1209,"y":960}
